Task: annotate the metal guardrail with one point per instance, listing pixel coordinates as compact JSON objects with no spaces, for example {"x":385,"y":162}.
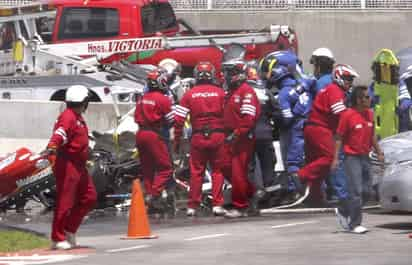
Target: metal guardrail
{"x":269,"y":4}
{"x":291,"y":4}
{"x":6,"y":3}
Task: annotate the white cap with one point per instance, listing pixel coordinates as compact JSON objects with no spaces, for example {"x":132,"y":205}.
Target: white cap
{"x":323,"y":52}
{"x":76,"y":93}
{"x":169,"y":65}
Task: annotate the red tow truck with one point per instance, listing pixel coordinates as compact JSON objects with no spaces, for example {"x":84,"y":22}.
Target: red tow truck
{"x":93,"y":20}
{"x":43,"y":45}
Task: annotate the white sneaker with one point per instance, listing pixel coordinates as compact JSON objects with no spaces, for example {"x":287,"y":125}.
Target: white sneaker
{"x":343,"y":221}
{"x":71,"y":238}
{"x":61,"y":245}
{"x":359,"y":230}
{"x":190,"y":212}
{"x":218,"y":210}
{"x":235,"y":213}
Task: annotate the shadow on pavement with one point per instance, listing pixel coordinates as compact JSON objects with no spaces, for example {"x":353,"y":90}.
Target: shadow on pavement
{"x":407,"y":227}
{"x":386,"y":212}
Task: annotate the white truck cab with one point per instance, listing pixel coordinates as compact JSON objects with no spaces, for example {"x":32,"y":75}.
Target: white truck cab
{"x":30,"y":76}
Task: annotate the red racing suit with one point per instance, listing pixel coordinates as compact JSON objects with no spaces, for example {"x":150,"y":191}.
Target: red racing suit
{"x":242,"y":109}
{"x":153,"y":112}
{"x":205,"y":105}
{"x":76,"y":194}
{"x":318,"y":134}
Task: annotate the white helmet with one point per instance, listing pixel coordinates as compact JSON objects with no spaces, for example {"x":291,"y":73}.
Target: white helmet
{"x":170,"y":65}
{"x":323,"y":52}
{"x":343,"y":72}
{"x":76,"y":93}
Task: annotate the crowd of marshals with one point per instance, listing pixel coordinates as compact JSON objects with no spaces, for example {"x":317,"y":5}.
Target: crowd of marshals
{"x":313,"y":119}
{"x":224,"y":122}
{"x":222,"y":135}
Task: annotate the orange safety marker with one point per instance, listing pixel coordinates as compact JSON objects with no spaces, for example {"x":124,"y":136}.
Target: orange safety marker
{"x":139,"y":227}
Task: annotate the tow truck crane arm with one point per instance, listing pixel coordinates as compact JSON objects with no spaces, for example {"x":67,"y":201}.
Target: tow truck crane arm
{"x":108,"y":47}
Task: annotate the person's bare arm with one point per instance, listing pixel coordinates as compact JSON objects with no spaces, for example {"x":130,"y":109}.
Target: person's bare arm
{"x":338,"y":146}
{"x":378,"y":150}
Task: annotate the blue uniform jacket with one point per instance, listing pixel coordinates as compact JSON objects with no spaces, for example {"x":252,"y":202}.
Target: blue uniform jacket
{"x":288,"y":96}
{"x":323,"y":81}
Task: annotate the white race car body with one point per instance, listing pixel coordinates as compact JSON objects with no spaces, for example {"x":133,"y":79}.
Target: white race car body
{"x":395,"y":184}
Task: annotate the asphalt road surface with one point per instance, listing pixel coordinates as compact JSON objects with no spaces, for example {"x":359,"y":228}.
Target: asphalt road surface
{"x":287,"y":238}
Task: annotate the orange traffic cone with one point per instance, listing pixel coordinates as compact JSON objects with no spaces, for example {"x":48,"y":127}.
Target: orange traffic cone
{"x":139,"y":227}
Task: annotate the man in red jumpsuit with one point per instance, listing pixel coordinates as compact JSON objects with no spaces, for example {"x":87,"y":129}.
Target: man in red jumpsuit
{"x":154,"y":112}
{"x":242,"y":109}
{"x":319,"y":132}
{"x":204,"y":102}
{"x":76,"y":194}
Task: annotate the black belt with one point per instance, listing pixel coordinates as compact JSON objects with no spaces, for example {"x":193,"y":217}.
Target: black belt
{"x":249,"y":135}
{"x":207,"y":132}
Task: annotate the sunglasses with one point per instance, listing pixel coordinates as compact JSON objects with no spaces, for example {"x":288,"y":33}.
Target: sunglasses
{"x":348,"y":78}
{"x":365,"y":97}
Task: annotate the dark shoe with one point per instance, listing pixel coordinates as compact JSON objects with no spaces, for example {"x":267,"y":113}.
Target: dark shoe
{"x":299,"y":185}
{"x":157,"y":203}
{"x":302,"y":190}
{"x":169,"y":199}
{"x":253,"y":209}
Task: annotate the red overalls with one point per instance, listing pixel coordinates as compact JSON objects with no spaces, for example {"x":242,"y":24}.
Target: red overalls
{"x":240,"y":115}
{"x":76,"y":194}
{"x":318,"y":134}
{"x":205,"y":104}
{"x":153,"y":112}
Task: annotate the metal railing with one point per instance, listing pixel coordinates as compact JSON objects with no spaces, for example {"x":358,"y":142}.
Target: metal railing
{"x":291,"y":4}
{"x":6,"y":3}
{"x":269,"y":4}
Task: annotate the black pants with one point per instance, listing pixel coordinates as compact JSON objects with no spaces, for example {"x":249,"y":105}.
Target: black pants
{"x":264,"y":164}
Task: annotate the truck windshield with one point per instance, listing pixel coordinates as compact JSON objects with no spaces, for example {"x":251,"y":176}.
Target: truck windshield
{"x":45,"y":28}
{"x":84,"y":23}
{"x":7,"y":36}
{"x":8,"y":39}
{"x":158,"y":17}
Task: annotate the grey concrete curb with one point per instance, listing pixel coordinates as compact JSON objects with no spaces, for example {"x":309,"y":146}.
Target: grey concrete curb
{"x":11,"y":227}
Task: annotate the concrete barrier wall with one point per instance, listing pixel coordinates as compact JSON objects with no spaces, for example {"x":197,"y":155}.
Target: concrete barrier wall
{"x":353,"y":36}
{"x":30,"y":124}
